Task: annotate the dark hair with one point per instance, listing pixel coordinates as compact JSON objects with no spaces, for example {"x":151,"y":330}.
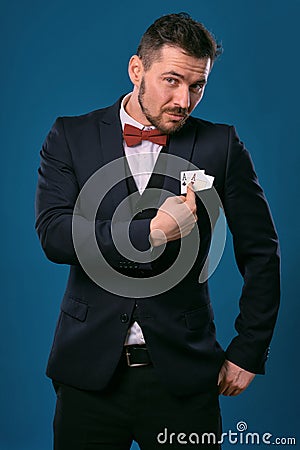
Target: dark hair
{"x":178,"y":30}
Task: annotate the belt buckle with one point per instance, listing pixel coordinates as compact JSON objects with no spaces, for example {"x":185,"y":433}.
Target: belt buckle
{"x":127,"y":352}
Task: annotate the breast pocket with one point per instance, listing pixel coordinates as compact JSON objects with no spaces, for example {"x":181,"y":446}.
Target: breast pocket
{"x":199,"y":318}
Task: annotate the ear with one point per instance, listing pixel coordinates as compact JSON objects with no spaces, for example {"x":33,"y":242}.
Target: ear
{"x":135,"y":70}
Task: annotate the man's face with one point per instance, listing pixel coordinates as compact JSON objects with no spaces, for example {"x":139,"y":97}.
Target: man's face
{"x":172,"y":88}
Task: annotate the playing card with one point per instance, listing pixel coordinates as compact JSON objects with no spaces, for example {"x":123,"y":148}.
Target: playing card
{"x":197,"y":178}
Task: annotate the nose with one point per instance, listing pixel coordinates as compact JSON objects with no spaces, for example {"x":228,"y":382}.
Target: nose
{"x":182,"y":97}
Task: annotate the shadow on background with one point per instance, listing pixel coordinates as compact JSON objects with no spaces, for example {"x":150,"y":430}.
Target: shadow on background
{"x":67,"y":58}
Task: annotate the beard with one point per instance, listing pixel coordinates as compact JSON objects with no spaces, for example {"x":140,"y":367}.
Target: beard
{"x":157,"y":121}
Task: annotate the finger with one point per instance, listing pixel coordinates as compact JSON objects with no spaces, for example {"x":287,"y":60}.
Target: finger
{"x":190,"y":196}
{"x":190,"y":191}
{"x":222,"y":386}
{"x":228,"y":391}
{"x":185,"y":231}
{"x":176,"y":199}
{"x":236,"y":392}
{"x":221,"y":378}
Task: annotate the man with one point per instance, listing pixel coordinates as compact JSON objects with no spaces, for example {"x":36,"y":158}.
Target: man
{"x":148,"y":367}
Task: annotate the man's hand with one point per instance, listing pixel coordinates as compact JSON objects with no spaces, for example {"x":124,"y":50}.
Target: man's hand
{"x":233,"y":380}
{"x":174,"y":219}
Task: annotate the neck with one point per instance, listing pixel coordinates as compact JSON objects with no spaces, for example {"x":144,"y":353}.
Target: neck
{"x":133,"y":108}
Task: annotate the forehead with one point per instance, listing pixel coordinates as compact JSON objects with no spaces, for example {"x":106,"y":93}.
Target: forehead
{"x":174,"y":59}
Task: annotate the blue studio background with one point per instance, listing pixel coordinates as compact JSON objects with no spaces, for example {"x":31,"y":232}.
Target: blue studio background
{"x":69,"y":57}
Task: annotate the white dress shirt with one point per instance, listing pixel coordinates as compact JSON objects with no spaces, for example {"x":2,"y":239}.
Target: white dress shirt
{"x":141,"y":160}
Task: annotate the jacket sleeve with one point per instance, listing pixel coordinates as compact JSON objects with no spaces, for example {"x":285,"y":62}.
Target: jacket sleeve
{"x":56,"y":196}
{"x":257,"y":253}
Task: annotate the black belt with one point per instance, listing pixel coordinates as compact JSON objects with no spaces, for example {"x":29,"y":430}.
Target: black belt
{"x":137,"y":355}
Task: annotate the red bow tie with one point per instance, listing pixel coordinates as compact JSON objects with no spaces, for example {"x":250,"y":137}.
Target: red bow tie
{"x":133,"y":136}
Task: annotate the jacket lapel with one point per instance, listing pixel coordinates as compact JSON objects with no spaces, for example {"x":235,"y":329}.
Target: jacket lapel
{"x":181,"y":145}
{"x":111,"y":142}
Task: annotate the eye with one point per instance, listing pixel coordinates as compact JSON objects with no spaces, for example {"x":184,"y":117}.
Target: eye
{"x":197,"y":87}
{"x":171,"y":81}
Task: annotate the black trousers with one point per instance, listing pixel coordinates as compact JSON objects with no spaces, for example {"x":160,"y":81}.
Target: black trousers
{"x":137,"y":407}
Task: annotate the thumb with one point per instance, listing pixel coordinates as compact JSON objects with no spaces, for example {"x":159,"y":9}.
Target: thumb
{"x":190,"y":195}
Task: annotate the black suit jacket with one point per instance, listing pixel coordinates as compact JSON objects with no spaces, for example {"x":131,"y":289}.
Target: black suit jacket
{"x":178,"y":324}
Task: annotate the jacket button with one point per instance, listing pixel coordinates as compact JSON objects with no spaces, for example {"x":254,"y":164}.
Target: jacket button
{"x":124,"y":318}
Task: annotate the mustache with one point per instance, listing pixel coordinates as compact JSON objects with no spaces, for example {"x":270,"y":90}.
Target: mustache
{"x":177,"y":111}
